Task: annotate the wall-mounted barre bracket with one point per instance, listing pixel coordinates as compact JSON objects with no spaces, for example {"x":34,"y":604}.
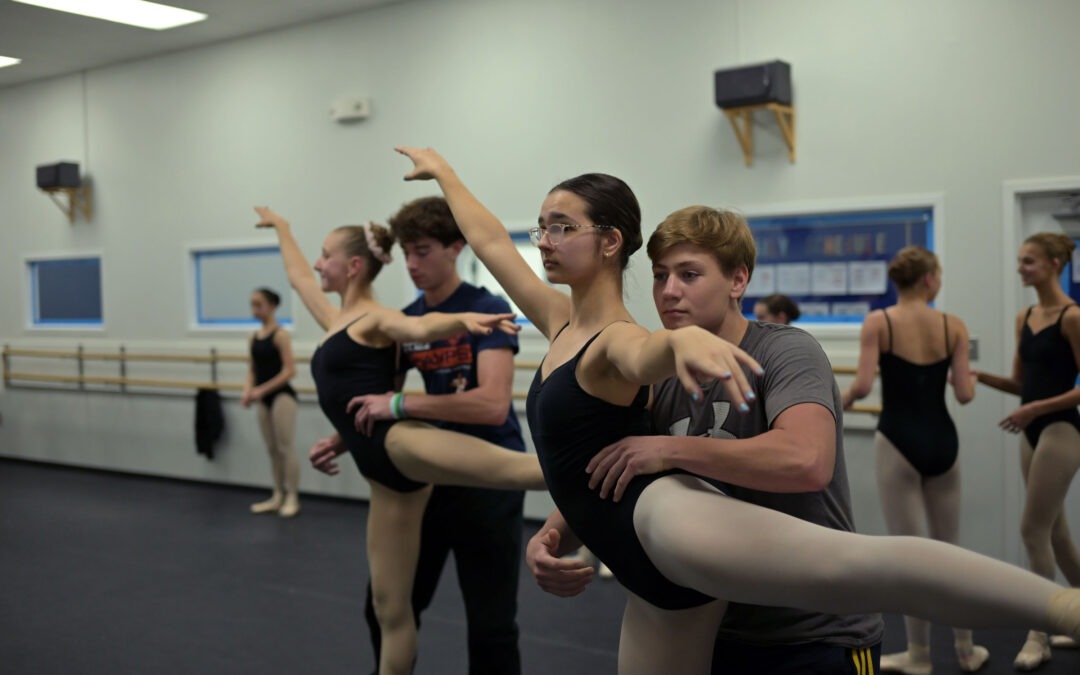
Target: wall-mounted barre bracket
{"x":77,"y":199}
{"x":742,"y":122}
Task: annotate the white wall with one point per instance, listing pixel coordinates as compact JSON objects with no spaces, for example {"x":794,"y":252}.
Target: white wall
{"x":893,"y":99}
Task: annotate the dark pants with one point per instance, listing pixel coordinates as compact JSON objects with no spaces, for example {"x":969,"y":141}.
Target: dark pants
{"x":483,"y":528}
{"x":816,"y":658}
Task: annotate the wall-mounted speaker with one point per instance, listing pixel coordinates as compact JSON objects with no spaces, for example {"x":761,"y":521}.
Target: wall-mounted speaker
{"x":63,"y":174}
{"x":754,"y":85}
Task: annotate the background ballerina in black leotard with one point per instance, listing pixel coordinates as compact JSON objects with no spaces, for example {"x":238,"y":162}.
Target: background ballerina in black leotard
{"x":1044,"y":376}
{"x":918,"y":477}
{"x":267,"y":387}
{"x":677,"y":542}
{"x":400,"y":459}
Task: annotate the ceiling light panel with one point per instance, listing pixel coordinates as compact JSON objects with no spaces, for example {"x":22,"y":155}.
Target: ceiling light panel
{"x":132,"y":12}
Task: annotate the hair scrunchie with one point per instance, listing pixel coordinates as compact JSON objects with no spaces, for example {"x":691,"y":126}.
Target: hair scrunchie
{"x":376,"y":250}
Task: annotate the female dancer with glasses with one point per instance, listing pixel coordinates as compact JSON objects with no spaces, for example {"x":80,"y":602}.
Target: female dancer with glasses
{"x":675,"y":541}
{"x":400,"y":459}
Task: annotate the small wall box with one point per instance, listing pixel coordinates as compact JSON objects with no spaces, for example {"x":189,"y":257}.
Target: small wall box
{"x":62,"y":174}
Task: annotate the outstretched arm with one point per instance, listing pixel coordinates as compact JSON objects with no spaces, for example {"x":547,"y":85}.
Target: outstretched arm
{"x":547,"y":308}
{"x":297,"y":269}
{"x":692,"y":354}
{"x":438,"y":325}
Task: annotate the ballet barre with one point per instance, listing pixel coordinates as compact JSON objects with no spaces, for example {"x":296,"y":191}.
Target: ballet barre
{"x":12,"y":378}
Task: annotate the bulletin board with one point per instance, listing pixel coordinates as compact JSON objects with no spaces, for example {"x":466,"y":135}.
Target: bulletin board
{"x":834,"y":265}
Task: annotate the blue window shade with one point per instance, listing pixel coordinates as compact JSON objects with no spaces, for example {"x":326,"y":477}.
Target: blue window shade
{"x":841,"y":256}
{"x":66,"y":292}
{"x":225,"y":279}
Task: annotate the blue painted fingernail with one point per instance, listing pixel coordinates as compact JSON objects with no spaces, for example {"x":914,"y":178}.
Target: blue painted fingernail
{"x":743,"y":407}
{"x":760,"y":371}
{"x":694,"y":397}
{"x":750,"y":395}
{"x":726,"y":375}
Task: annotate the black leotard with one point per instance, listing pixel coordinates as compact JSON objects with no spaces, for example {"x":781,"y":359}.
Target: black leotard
{"x":913,"y":413}
{"x":344,"y":368}
{"x":1049,"y":371}
{"x":266,"y":360}
{"x":569,"y":426}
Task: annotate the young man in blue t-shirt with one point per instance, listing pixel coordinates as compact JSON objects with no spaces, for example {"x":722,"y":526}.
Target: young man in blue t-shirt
{"x":468,"y":383}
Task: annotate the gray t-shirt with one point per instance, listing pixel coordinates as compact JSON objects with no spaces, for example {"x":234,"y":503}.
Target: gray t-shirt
{"x":796,"y":371}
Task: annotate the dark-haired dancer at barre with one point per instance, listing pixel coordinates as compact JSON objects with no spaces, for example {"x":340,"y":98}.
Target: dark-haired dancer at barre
{"x":270,"y":368}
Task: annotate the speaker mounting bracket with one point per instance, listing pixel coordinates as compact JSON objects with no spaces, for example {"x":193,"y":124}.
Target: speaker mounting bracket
{"x":72,"y":199}
{"x":742,"y":122}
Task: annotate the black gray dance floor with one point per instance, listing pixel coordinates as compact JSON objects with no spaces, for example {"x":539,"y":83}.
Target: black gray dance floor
{"x":110,"y":573}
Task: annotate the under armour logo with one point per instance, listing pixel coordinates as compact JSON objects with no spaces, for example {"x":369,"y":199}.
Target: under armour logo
{"x":720,"y":411}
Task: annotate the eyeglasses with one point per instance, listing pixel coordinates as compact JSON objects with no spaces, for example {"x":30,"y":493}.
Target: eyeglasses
{"x":556,"y":232}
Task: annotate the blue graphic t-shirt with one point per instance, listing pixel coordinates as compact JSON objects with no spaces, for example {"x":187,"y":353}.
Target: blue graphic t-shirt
{"x":449,"y":366}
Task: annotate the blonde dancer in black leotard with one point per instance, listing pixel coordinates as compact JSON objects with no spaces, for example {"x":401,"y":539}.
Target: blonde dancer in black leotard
{"x":691,"y":535}
{"x":1050,"y":463}
{"x":918,"y":478}
{"x":356,"y":356}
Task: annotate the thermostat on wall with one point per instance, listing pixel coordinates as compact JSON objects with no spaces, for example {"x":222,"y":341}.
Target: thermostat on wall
{"x":351,"y":109}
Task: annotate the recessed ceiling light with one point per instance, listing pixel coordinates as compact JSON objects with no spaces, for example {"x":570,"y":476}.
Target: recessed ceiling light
{"x":132,"y":12}
{"x":6,"y":61}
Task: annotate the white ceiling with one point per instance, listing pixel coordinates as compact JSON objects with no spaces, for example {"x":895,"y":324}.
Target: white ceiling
{"x":52,"y":43}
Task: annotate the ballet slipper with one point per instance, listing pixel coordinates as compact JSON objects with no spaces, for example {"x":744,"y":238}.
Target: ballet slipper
{"x":1034,"y":653}
{"x":972,"y":657}
{"x":290,"y":507}
{"x":1063,"y":642}
{"x":1063,"y":610}
{"x":911,"y":662}
{"x":270,"y":505}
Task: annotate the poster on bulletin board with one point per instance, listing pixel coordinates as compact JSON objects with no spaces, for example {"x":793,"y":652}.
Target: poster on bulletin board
{"x":834,"y":265}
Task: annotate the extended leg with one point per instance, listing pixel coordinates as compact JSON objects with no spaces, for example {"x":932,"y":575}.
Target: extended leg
{"x":430,"y":455}
{"x":750,"y":554}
